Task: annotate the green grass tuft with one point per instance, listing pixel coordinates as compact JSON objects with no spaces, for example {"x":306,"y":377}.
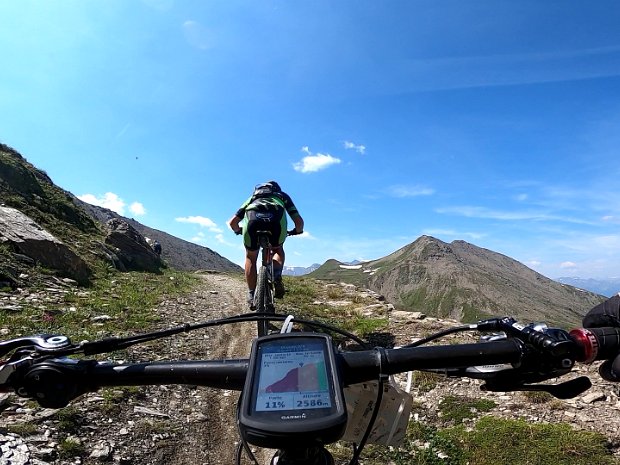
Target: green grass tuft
{"x":116,"y":303}
{"x":455,"y":409}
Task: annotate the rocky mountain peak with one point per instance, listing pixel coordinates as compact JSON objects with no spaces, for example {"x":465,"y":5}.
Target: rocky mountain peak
{"x":46,"y":225}
{"x":462,"y":281}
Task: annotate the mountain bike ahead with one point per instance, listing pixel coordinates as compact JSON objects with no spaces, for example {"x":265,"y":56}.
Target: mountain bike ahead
{"x":265,"y":293}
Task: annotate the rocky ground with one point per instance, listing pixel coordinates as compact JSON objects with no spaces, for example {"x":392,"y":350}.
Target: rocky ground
{"x":187,"y":424}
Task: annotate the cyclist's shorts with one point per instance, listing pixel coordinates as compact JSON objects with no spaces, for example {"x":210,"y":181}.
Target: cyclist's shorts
{"x":272,"y":221}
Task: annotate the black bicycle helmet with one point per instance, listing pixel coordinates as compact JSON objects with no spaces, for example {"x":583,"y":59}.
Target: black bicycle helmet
{"x":275,"y":186}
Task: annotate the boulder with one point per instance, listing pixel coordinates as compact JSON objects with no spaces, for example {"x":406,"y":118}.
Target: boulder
{"x":29,"y":239}
{"x":131,"y":251}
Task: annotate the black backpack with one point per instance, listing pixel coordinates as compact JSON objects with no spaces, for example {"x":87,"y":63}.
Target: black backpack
{"x":268,"y":189}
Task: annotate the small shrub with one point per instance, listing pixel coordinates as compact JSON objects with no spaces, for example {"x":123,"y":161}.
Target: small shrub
{"x":149,"y":427}
{"x":70,"y":447}
{"x":335,"y":293}
{"x":457,"y":408}
{"x":537,"y":397}
{"x":69,"y":420}
{"x":426,"y":381}
{"x":556,"y":404}
{"x":23,"y":429}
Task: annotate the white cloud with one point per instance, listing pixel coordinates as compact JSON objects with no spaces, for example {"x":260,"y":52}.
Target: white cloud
{"x":305,"y":235}
{"x":482,"y":212}
{"x":409,"y":191}
{"x":314,"y":162}
{"x":201,"y":221}
{"x":609,"y":242}
{"x":122,"y":132}
{"x":487,"y":213}
{"x":137,"y":209}
{"x":351,"y":146}
{"x":109,"y":200}
{"x":220,"y":238}
{"x":199,"y":238}
{"x":113,"y":202}
{"x":568,"y":265}
{"x":453,"y":234}
{"x":611,"y":219}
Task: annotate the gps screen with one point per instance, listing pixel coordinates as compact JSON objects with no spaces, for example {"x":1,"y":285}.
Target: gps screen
{"x":293,"y":377}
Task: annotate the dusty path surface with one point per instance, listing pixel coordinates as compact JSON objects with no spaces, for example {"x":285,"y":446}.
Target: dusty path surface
{"x":149,"y":425}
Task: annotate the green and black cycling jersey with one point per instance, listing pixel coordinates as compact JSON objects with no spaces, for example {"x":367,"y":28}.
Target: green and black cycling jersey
{"x":266,"y":214}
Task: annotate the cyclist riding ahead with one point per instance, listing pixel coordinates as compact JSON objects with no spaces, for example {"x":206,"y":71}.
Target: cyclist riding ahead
{"x":265,"y":210}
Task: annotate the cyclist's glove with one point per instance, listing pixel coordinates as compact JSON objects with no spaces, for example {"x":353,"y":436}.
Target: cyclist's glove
{"x":606,"y":314}
{"x":293,"y":232}
{"x":239,"y":232}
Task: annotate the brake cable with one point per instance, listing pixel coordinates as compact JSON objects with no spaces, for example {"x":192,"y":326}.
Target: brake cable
{"x":440,"y":334}
{"x":357,"y":450}
{"x":287,"y":326}
{"x":111,"y":344}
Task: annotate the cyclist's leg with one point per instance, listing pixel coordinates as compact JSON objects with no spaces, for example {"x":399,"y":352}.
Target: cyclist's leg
{"x":278,"y":259}
{"x":250,"y":268}
{"x":251,"y":254}
{"x":278,"y":232}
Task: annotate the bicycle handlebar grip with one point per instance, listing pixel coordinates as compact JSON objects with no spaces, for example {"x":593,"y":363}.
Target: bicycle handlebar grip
{"x":597,"y":343}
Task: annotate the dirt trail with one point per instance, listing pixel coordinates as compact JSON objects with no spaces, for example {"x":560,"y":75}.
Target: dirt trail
{"x":213,"y":440}
{"x":154,"y":425}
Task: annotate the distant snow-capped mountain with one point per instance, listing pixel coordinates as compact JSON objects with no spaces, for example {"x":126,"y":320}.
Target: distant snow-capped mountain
{"x":299,"y":270}
{"x":606,"y":287}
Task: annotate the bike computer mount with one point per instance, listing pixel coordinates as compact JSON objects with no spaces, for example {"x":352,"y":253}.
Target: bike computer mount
{"x":293,"y":395}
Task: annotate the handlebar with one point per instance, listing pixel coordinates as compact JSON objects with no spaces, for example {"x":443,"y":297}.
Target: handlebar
{"x":40,"y":369}
{"x":512,"y":357}
{"x":54,"y":382}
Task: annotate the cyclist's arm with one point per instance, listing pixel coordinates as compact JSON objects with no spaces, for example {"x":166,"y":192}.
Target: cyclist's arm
{"x":233,"y":224}
{"x":292,"y":211}
{"x":299,"y":223}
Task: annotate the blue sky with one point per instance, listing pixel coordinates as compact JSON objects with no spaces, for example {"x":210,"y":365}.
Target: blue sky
{"x":495,"y":122}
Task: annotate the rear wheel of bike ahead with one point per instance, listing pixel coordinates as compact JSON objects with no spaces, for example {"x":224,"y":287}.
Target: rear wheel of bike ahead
{"x":263,"y":299}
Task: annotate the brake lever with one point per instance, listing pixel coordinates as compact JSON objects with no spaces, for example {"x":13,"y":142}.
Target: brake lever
{"x":23,"y":351}
{"x":10,"y":367}
{"x":565,"y":390}
{"x":44,"y":343}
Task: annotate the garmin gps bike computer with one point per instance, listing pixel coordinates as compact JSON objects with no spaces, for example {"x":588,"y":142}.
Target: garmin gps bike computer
{"x":293,"y":394}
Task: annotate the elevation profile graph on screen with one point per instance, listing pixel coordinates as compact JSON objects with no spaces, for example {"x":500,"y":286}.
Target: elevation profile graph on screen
{"x":293,"y":380}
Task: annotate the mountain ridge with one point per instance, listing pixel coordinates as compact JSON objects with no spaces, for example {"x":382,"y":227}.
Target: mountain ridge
{"x":465,"y":282}
{"x":178,"y":253}
{"x":604,"y":286}
{"x":79,"y":225}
